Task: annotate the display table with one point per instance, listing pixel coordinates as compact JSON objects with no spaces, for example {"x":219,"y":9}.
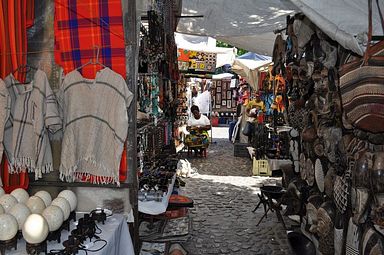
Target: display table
{"x":155,"y":207}
{"x":275,"y":164}
{"x":114,"y":231}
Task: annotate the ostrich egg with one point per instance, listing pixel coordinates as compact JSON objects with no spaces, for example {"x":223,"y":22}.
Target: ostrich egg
{"x":7,"y":201}
{"x":8,"y":227}
{"x":54,"y":216}
{"x":64,"y":206}
{"x":20,"y":211}
{"x":45,"y":196}
{"x":36,"y":204}
{"x":21,"y":195}
{"x":1,"y":209}
{"x":35,"y":229}
{"x":2,"y":192}
{"x":70,"y":196}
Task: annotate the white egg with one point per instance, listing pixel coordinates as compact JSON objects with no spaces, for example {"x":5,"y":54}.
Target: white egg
{"x":54,"y":216}
{"x":8,"y":227}
{"x":71,"y":198}
{"x":35,"y":229}
{"x":36,"y":204}
{"x":64,"y":206}
{"x":45,"y":196}
{"x":7,"y":201}
{"x":20,"y":211}
{"x":21,"y":195}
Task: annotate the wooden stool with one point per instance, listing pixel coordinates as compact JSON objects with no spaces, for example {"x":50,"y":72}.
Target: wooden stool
{"x":203,"y":151}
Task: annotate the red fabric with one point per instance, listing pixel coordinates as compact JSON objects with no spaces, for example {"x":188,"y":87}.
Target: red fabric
{"x":262,"y":77}
{"x":13,"y":36}
{"x":12,"y":181}
{"x":30,"y":12}
{"x":83,"y":26}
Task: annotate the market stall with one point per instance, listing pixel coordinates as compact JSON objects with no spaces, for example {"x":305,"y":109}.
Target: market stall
{"x":332,"y":181}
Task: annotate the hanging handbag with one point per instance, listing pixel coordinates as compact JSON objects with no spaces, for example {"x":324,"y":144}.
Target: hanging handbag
{"x":309,"y":133}
{"x":362,"y":85}
{"x":248,"y":129}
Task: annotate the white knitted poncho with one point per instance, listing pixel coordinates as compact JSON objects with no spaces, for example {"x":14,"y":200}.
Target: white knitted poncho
{"x":33,"y":113}
{"x":5,"y":104}
{"x":95,"y":125}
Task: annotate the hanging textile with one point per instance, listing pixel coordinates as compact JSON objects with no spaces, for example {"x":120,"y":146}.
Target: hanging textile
{"x":4,"y":112}
{"x":99,"y":105}
{"x":13,"y":35}
{"x":33,"y":113}
{"x":84,"y":28}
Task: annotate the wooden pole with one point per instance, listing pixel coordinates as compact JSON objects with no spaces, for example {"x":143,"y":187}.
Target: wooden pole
{"x":131,"y":52}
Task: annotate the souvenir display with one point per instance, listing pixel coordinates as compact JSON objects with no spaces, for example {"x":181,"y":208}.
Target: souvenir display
{"x":64,"y":205}
{"x":7,"y":202}
{"x":54,"y":217}
{"x":45,"y":196}
{"x":341,"y":141}
{"x":21,"y":195}
{"x":36,"y":204}
{"x":20,"y":211}
{"x":8,"y":227}
{"x":35,"y":229}
{"x":70,"y":196}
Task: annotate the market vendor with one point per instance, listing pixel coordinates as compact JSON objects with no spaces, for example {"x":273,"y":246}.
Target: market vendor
{"x":254,"y":108}
{"x":197,"y":126}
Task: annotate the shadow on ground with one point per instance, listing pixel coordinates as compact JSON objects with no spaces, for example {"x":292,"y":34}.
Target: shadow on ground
{"x":223,"y":221}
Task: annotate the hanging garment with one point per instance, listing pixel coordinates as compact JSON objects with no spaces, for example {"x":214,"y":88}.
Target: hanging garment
{"x":95,"y":126}
{"x":82,"y":28}
{"x":33,"y":113}
{"x":4,"y":113}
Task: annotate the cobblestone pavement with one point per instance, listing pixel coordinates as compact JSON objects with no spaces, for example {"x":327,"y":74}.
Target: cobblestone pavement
{"x":224,"y":194}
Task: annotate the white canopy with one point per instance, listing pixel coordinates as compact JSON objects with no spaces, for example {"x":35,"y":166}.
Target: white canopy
{"x":248,"y":69}
{"x":249,"y":24}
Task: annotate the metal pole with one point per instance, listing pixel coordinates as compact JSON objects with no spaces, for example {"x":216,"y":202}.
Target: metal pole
{"x":131,"y":52}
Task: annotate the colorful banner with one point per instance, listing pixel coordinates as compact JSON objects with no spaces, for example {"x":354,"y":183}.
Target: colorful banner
{"x":190,"y":61}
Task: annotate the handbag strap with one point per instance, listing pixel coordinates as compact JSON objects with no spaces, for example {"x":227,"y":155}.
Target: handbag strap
{"x":368,"y":51}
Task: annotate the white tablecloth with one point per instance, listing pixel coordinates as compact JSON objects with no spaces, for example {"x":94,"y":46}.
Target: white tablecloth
{"x":154,"y":207}
{"x":276,"y":164}
{"x":114,"y":231}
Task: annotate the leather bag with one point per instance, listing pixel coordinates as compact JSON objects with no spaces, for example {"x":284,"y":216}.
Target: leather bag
{"x":362,"y":86}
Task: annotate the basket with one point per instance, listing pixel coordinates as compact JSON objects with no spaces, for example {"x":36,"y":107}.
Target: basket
{"x":261,"y":167}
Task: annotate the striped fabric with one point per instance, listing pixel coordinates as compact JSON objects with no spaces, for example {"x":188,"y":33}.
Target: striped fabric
{"x":33,"y":112}
{"x":95,"y":126}
{"x":4,"y":113}
{"x":83,"y":26}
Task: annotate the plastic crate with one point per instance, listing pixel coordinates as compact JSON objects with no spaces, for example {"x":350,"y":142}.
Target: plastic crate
{"x":261,"y":167}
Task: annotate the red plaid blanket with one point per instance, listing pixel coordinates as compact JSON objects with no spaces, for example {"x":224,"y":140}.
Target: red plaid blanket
{"x":82,"y":26}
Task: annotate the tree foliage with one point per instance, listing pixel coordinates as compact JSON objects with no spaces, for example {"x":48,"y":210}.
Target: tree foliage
{"x":226,"y":45}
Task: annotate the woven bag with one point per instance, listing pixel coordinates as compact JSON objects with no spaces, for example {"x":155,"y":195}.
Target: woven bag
{"x":362,"y":86}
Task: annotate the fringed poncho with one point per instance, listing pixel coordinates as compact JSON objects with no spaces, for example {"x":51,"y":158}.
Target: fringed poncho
{"x":95,"y":125}
{"x":33,"y":113}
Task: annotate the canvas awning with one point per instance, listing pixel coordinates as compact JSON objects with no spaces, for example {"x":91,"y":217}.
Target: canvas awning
{"x":249,"y":24}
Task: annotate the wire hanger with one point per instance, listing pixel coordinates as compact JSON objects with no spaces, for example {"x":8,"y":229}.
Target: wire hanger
{"x":24,"y":69}
{"x":91,"y":62}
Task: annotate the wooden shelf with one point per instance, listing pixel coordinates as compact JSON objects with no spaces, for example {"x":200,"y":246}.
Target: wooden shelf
{"x":79,"y":184}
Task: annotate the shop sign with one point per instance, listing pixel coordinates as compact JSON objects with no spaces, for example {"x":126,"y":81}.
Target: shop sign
{"x":196,"y":61}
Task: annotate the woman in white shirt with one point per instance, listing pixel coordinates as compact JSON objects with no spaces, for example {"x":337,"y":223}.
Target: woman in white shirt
{"x":198,"y":126}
